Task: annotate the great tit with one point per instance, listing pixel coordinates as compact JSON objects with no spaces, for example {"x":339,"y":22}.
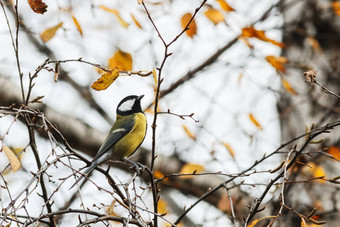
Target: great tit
{"x":125,"y":136}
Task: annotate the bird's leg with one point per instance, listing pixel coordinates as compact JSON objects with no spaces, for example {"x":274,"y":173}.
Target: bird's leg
{"x":137,"y":166}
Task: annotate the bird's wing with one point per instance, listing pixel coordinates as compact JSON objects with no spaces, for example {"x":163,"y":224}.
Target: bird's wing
{"x":115,"y":134}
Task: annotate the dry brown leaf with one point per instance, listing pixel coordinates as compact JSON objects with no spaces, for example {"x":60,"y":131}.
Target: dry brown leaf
{"x":288,"y":87}
{"x":277,"y":62}
{"x":76,"y":23}
{"x":122,"y":60}
{"x":12,"y":158}
{"x":106,"y":80}
{"x":49,"y":33}
{"x":254,"y":121}
{"x":190,"y":134}
{"x":192,"y":28}
{"x":251,"y":32}
{"x":214,"y":16}
{"x":38,"y":6}
{"x":225,"y":6}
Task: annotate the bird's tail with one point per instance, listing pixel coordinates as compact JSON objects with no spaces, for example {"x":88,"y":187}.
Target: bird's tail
{"x":86,"y":173}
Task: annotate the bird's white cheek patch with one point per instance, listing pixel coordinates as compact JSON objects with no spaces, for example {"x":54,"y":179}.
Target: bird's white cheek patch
{"x":127,"y":105}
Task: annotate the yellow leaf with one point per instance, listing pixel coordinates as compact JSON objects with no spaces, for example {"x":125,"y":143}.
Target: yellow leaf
{"x":336,"y":7}
{"x":214,"y":16}
{"x":253,"y":223}
{"x":230,"y":149}
{"x":192,"y":28}
{"x":288,"y":87}
{"x":116,"y":13}
{"x":334,"y":151}
{"x":225,"y":6}
{"x":189,"y":133}
{"x":190,"y":168}
{"x":277,"y":62}
{"x":254,"y":121}
{"x":251,"y":32}
{"x":76,"y":23}
{"x":110,"y":211}
{"x":106,"y":80}
{"x":154,"y":76}
{"x":122,"y":60}
{"x":136,"y":21}
{"x":319,"y":172}
{"x":50,"y":32}
{"x":162,"y":206}
{"x":12,"y":158}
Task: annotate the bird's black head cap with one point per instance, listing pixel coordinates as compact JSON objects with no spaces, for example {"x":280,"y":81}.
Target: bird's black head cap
{"x":130,"y":105}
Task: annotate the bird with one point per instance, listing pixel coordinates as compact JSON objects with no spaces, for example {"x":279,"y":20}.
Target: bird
{"x":125,"y":137}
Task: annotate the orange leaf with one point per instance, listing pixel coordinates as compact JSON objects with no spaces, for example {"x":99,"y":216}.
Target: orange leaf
{"x":334,"y":151}
{"x":288,"y":87}
{"x":116,"y":13}
{"x":225,"y":6}
{"x":190,"y":168}
{"x":230,"y":149}
{"x":336,"y":7}
{"x":49,"y":33}
{"x":277,"y":62}
{"x":12,"y":158}
{"x":214,"y":16}
{"x":189,"y":133}
{"x":254,"y":121}
{"x":158,"y":174}
{"x":246,"y":41}
{"x":38,"y":6}
{"x":122,"y":60}
{"x":251,"y":32}
{"x":136,"y":21}
{"x":106,"y":80}
{"x":76,"y":23}
{"x":192,"y":28}
{"x":314,"y":44}
{"x":224,"y":203}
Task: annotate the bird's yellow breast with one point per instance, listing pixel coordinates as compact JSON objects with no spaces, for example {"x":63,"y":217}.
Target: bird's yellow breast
{"x":127,"y":145}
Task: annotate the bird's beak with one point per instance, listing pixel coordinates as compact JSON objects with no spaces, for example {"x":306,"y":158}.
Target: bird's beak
{"x":140,"y":97}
